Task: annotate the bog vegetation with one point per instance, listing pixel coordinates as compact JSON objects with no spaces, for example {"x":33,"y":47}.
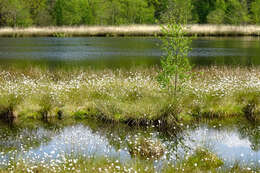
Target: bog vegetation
{"x":24,"y":13}
{"x":133,"y":97}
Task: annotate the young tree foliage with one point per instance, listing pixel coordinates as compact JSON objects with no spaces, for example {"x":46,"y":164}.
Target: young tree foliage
{"x":176,"y":47}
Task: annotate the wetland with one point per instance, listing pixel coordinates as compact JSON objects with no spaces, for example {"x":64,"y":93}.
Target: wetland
{"x":94,"y":105}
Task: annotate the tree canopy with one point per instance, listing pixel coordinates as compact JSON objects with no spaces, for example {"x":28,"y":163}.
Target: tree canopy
{"x":25,"y":13}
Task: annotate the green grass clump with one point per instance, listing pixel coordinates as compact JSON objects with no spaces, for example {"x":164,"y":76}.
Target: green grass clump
{"x":82,"y":164}
{"x":46,"y":105}
{"x":80,"y":115}
{"x":203,"y":159}
{"x":8,"y":103}
{"x":250,"y":102}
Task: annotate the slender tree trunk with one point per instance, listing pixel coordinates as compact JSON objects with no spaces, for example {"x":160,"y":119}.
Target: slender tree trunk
{"x":175,"y":83}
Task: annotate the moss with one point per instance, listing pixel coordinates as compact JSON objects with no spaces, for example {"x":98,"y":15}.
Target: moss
{"x":88,"y":111}
{"x":34,"y":115}
{"x":118,"y":116}
{"x":80,"y":114}
{"x":185,"y":118}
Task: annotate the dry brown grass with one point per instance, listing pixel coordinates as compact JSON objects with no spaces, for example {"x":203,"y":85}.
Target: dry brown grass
{"x":224,"y":30}
{"x":129,"y":30}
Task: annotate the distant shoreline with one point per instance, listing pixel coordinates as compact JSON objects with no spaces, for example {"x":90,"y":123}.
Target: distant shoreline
{"x":130,"y":30}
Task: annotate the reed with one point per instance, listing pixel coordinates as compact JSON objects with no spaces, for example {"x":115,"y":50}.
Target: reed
{"x":130,"y":30}
{"x":224,"y":30}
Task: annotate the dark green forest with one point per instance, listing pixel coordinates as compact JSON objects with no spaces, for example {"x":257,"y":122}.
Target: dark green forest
{"x":24,"y":13}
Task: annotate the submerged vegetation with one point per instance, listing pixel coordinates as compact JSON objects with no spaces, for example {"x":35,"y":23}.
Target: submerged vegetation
{"x":132,"y":97}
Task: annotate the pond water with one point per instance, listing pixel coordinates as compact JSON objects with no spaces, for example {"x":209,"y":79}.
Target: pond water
{"x":52,"y":142}
{"x":123,"y":51}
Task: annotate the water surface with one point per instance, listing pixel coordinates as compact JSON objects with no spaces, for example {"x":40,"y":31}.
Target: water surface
{"x":123,"y":51}
{"x":47,"y":143}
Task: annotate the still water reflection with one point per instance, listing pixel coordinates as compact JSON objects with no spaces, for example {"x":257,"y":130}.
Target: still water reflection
{"x":45,"y":143}
{"x":118,"y":52}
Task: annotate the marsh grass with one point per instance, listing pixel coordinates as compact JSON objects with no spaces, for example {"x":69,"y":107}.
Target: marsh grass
{"x":145,"y":148}
{"x":204,"y":160}
{"x":130,"y":30}
{"x":8,"y":103}
{"x":133,"y":97}
{"x":250,"y":101}
{"x":112,"y":165}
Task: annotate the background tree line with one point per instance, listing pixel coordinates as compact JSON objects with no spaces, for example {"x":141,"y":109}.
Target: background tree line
{"x":25,"y":13}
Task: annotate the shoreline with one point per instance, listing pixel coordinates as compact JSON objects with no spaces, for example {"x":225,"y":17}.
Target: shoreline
{"x":128,"y":30}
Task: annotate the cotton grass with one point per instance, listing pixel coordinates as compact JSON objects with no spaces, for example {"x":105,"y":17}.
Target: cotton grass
{"x":135,"y":96}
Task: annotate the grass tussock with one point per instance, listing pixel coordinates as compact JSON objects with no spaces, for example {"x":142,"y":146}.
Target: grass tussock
{"x":145,"y":148}
{"x":203,"y":159}
{"x":8,"y":103}
{"x":130,"y":30}
{"x":133,"y":97}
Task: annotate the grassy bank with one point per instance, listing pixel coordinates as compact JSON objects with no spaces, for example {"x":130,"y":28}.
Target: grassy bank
{"x":131,"y":30}
{"x":200,"y":161}
{"x":133,"y":97}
